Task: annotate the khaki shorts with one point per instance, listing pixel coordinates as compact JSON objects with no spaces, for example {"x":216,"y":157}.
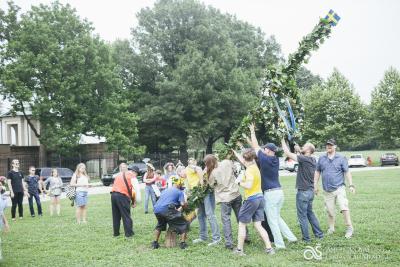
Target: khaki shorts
{"x":338,"y":196}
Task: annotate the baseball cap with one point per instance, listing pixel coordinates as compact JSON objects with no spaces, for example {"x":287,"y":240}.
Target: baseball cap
{"x":331,"y":142}
{"x":270,"y":146}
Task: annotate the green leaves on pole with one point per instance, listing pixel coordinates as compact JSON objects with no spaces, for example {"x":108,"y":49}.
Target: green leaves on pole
{"x":280,"y":82}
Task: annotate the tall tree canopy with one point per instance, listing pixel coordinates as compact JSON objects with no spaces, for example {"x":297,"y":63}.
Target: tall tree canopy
{"x":52,"y":64}
{"x":385,"y":105}
{"x":197,"y":72}
{"x":333,"y":110}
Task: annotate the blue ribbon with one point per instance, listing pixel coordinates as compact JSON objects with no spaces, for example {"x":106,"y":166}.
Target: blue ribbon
{"x":290,"y":127}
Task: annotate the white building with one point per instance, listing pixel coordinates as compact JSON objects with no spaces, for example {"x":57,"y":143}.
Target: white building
{"x":15,"y":130}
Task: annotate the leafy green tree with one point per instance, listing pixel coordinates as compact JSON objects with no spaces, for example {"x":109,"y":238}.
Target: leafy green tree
{"x":334,"y":110}
{"x":385,"y":107}
{"x":305,"y":79}
{"x":53,"y":65}
{"x":198,"y":72}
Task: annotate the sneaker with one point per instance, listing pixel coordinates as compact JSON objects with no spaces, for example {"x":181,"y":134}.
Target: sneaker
{"x":13,"y":219}
{"x":349,"y":232}
{"x":270,"y":251}
{"x":20,"y":218}
{"x":330,"y":231}
{"x":33,"y":215}
{"x":247,"y":241}
{"x":183,"y":245}
{"x":214,"y":243}
{"x":239,"y":252}
{"x":146,"y":212}
{"x":198,"y":240}
{"x":155,"y":245}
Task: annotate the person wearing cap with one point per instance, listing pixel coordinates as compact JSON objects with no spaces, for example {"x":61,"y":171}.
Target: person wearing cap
{"x":333,"y":168}
{"x":168,"y":210}
{"x":272,"y":190}
{"x":149,"y":178}
{"x":121,"y":196}
{"x":305,"y":188}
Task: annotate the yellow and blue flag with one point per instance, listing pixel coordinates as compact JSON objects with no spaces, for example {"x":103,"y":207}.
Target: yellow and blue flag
{"x":332,"y":17}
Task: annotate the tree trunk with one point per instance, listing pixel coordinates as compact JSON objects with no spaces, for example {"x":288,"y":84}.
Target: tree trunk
{"x":183,"y":154}
{"x":170,"y":239}
{"x":209,"y":148}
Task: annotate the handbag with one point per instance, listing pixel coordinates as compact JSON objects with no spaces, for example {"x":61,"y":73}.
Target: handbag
{"x":70,"y":192}
{"x":130,"y":192}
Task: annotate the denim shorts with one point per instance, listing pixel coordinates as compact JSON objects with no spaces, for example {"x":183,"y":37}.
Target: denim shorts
{"x":252,"y":210}
{"x":81,"y":198}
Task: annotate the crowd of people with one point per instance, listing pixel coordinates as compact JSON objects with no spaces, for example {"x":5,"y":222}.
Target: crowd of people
{"x":31,"y":186}
{"x":169,"y":191}
{"x":261,"y":203}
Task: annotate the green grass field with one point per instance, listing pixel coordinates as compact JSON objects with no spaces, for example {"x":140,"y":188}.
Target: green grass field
{"x":59,"y":241}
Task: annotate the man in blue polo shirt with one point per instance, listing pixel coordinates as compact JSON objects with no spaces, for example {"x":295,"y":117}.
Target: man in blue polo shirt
{"x":333,"y":167}
{"x":272,"y":190}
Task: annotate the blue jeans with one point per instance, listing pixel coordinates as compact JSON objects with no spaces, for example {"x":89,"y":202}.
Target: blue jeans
{"x":305,"y":214}
{"x":38,"y":204}
{"x":206,"y":210}
{"x":149,"y":192}
{"x":273,"y":205}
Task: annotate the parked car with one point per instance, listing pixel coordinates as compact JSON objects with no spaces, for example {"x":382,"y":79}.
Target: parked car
{"x":389,"y":159}
{"x":108,"y":178}
{"x":291,"y":165}
{"x":64,"y":173}
{"x":357,"y":160}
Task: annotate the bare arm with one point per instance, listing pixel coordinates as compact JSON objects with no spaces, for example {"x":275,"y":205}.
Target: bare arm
{"x":350,"y":182}
{"x":136,"y":187}
{"x":10,"y":188}
{"x":254,"y":143}
{"x":239,"y":157}
{"x":287,"y":152}
{"x":73,"y":180}
{"x":317,"y":174}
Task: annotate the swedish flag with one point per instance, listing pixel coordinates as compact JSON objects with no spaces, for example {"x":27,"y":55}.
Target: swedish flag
{"x":332,"y":17}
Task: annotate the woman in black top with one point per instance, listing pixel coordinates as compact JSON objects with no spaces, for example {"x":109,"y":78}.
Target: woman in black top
{"x":17,"y":189}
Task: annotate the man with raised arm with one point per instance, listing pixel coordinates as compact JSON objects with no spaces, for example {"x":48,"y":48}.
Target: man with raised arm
{"x":305,"y":188}
{"x":272,"y":190}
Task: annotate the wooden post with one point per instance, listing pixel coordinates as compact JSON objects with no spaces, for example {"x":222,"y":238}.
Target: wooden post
{"x":170,"y":239}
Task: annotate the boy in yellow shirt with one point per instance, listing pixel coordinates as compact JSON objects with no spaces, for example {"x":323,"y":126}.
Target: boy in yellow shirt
{"x":253,"y":205}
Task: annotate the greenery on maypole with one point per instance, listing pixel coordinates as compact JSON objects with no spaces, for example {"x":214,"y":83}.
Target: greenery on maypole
{"x":279,"y":88}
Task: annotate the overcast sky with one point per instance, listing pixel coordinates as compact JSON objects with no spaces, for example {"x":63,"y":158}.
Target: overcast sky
{"x":365,"y":43}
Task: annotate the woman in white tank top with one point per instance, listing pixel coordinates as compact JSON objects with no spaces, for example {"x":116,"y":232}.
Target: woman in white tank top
{"x":80,"y":180}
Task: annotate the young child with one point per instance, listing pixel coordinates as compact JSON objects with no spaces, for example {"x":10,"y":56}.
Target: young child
{"x":55,"y":190}
{"x":33,"y":182}
{"x":3,"y":203}
{"x":160,"y":183}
